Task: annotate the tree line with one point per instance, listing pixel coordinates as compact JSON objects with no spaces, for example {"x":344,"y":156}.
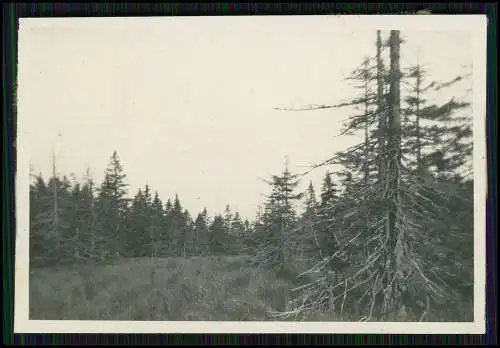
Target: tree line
{"x":72,"y":221}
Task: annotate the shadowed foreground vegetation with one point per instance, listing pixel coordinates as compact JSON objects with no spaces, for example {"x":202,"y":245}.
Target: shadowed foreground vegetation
{"x":169,"y":289}
{"x":198,"y":288}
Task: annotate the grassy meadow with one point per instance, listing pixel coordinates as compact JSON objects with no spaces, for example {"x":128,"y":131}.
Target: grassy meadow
{"x":197,"y":288}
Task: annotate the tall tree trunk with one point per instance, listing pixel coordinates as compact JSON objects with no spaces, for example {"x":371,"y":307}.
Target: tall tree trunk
{"x":417,"y":121}
{"x":380,"y":110}
{"x":282,"y":292}
{"x":366,"y":167}
{"x":392,"y":296}
{"x":284,"y":217}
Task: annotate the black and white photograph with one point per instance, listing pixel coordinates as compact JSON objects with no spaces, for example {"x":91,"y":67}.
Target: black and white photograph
{"x":251,"y":174}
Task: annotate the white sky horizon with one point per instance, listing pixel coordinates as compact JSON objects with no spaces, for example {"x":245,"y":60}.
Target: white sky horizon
{"x":189,"y":102}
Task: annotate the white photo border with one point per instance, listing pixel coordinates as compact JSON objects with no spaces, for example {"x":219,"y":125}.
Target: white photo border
{"x":475,"y":24}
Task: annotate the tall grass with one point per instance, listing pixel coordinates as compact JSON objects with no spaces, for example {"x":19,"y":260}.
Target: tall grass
{"x":198,"y":288}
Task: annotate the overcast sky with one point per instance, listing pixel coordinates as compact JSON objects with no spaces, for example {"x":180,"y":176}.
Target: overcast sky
{"x":189,"y":102}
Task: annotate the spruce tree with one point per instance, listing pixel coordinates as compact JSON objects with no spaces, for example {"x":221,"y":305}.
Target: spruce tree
{"x":328,"y":228}
{"x":237,"y":225}
{"x":137,"y":234}
{"x":92,"y":237}
{"x":111,"y":209}
{"x":310,"y":240}
{"x":238,"y":233}
{"x":438,"y":137}
{"x":156,"y":226}
{"x":60,"y":231}
{"x":279,"y":221}
{"x":201,"y":234}
{"x":177,"y":228}
{"x":39,"y":221}
{"x":218,"y":237}
{"x":228,"y":217}
{"x":188,"y":233}
{"x":85,"y":216}
{"x":79,"y":218}
{"x":391,"y":233}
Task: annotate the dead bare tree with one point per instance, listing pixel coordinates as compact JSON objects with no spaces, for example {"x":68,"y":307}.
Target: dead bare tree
{"x":393,"y":223}
{"x":394,"y":249}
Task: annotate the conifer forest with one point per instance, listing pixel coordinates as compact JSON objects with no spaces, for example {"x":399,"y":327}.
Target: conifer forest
{"x":387,"y":235}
